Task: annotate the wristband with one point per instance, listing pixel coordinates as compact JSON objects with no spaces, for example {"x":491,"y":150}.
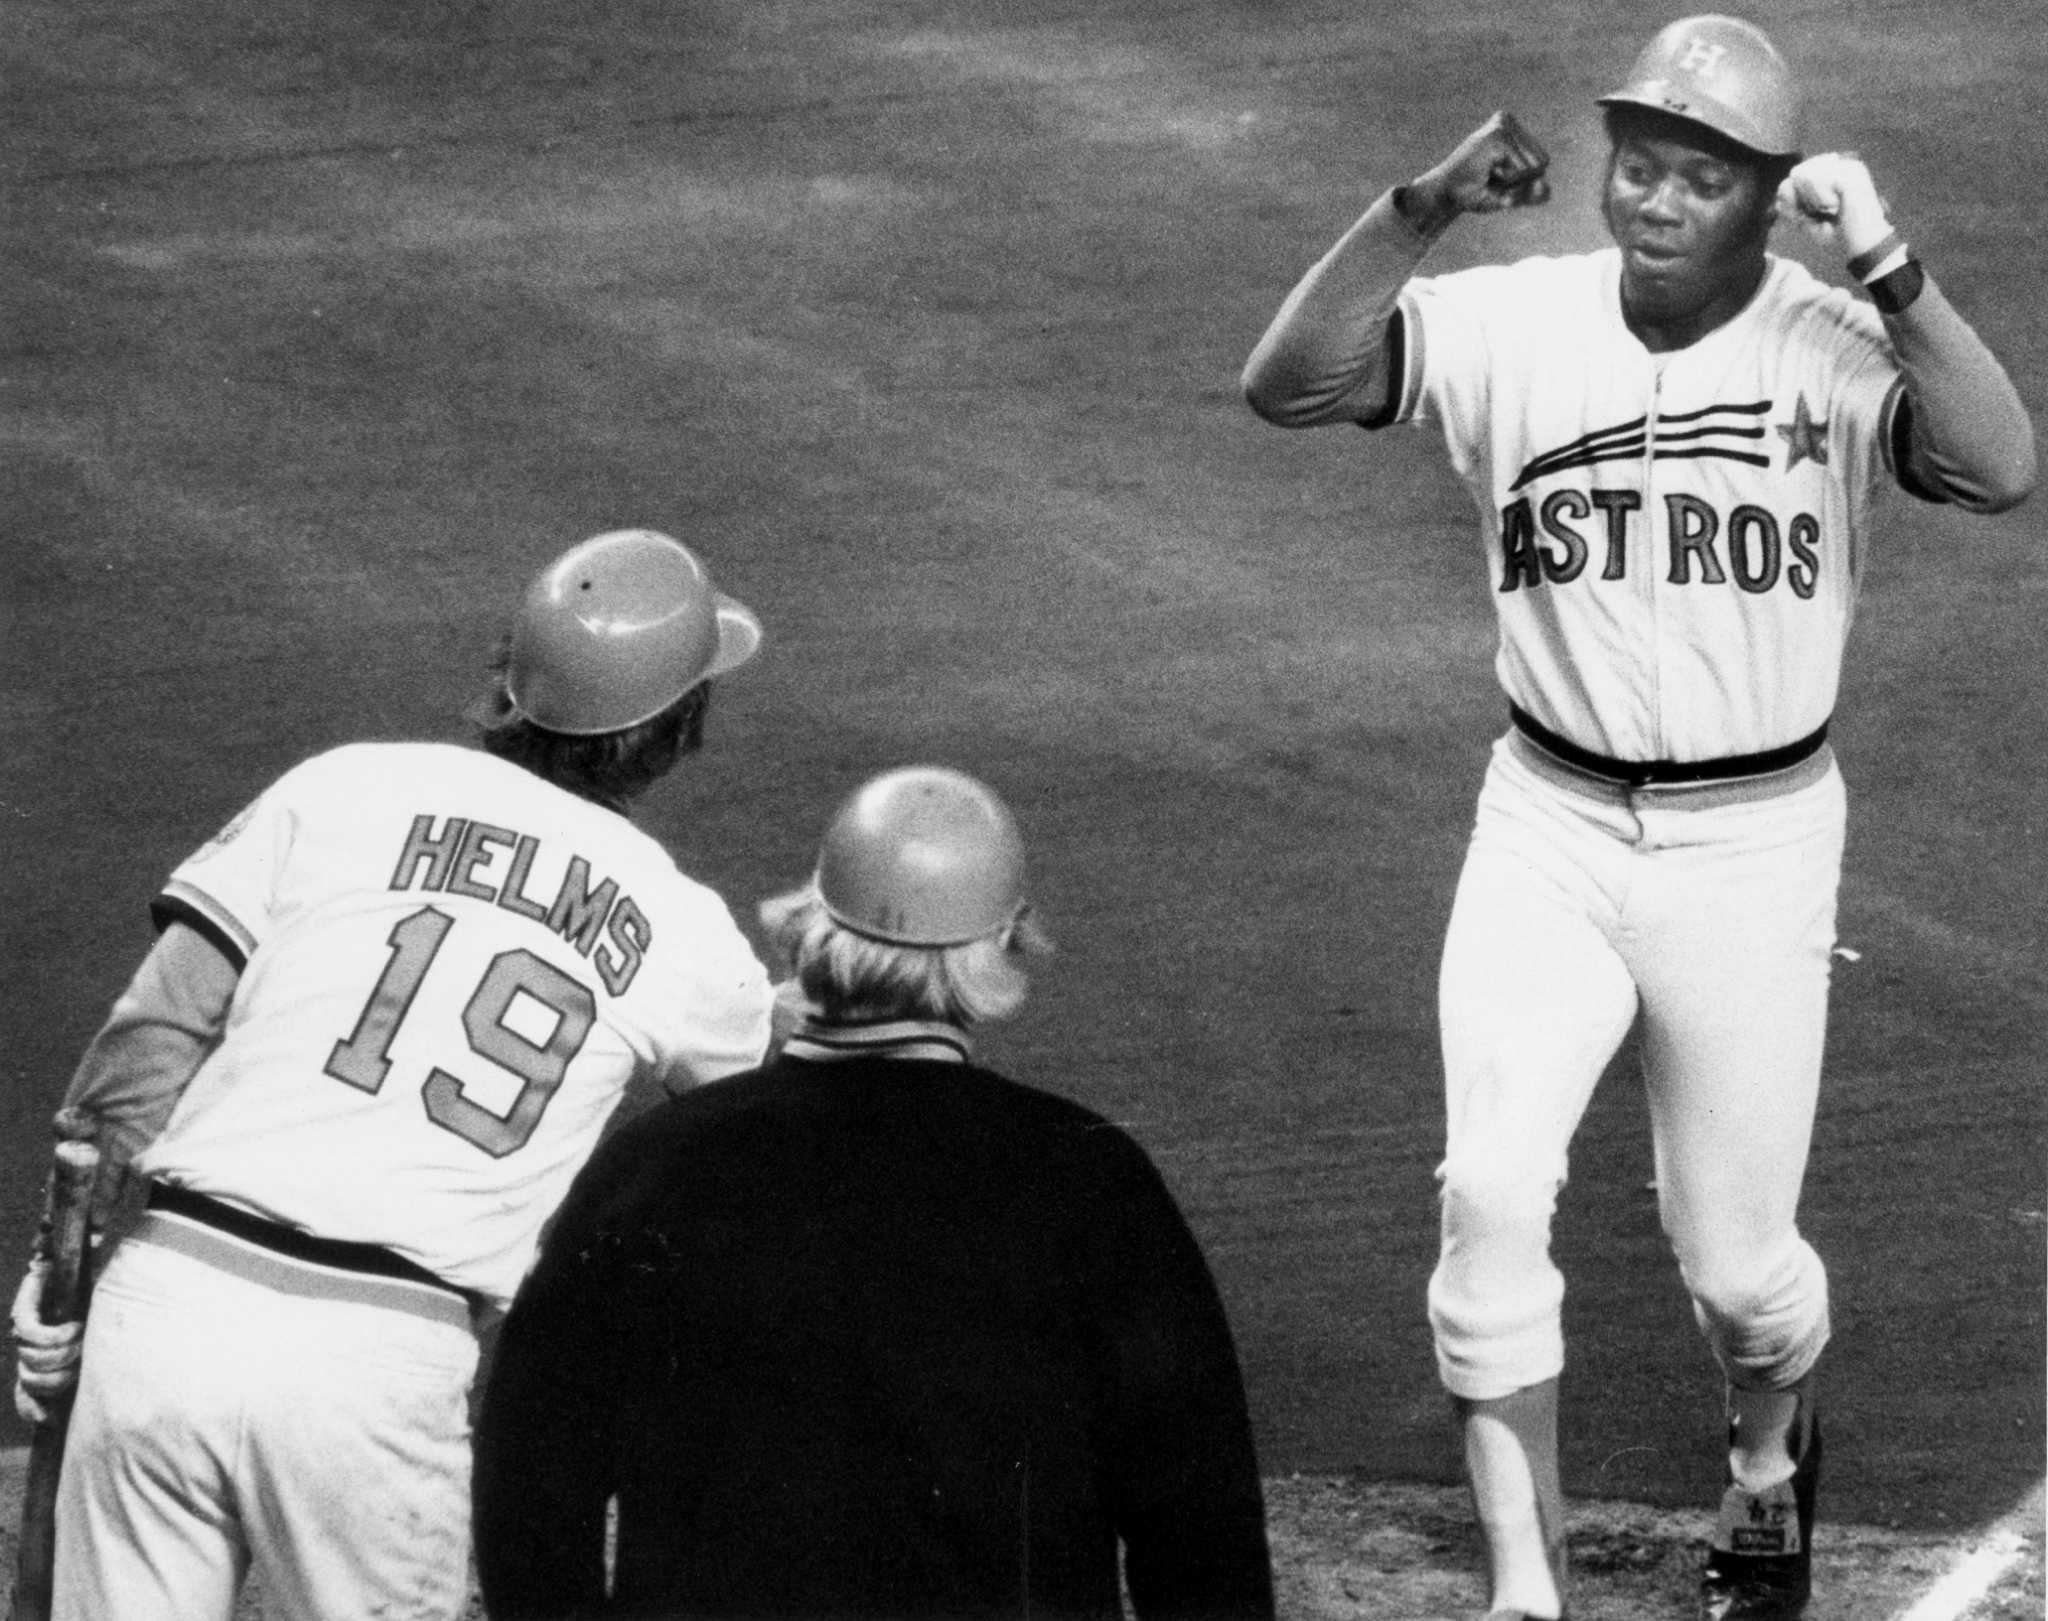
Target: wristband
{"x":1869,"y":265}
{"x":1895,"y":260}
{"x":1895,"y":292}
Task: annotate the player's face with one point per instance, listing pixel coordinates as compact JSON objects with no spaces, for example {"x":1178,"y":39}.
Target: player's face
{"x":1691,"y":226}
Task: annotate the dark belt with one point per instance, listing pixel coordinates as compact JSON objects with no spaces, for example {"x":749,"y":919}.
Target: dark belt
{"x":372,"y":1259}
{"x":1653,"y":773}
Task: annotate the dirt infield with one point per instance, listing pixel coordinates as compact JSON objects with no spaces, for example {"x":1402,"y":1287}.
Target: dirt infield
{"x":327,"y":319}
{"x":1348,"y":1550}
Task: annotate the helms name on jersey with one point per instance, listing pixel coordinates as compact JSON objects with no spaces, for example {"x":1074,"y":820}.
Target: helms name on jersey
{"x":448,"y":862}
{"x":1542,"y":541}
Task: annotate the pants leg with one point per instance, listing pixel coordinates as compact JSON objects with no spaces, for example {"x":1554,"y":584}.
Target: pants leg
{"x":146,"y":1525}
{"x":225,"y":1424}
{"x":358,"y":1505}
{"x":1534,"y":1000}
{"x":1734,"y":976}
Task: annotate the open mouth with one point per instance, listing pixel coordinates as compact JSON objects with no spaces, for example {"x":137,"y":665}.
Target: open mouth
{"x":1653,"y":258}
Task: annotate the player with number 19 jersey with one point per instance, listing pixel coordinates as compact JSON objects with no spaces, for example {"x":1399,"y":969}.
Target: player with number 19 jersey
{"x":450,"y":970}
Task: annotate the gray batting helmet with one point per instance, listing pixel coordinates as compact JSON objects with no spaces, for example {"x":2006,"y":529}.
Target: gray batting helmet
{"x":1722,"y":73}
{"x":922,"y":856}
{"x":618,"y":628}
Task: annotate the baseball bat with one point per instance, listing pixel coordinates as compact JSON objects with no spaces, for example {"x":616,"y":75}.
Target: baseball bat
{"x":64,"y":1243}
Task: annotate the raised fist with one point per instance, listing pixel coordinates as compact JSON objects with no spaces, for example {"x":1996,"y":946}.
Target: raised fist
{"x":1499,"y":165}
{"x":1833,"y":196}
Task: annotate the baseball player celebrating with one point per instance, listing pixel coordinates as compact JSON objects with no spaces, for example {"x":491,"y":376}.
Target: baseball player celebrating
{"x":1673,"y":444}
{"x":389,"y":1010}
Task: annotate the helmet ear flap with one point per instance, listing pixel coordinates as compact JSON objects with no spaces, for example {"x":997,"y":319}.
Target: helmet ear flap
{"x":618,"y":628}
{"x":923,"y":856}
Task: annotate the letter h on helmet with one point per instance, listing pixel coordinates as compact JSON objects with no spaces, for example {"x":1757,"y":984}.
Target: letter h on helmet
{"x":1723,"y":74}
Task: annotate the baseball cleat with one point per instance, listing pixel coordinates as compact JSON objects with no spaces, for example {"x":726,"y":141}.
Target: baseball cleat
{"x":1760,"y":1564}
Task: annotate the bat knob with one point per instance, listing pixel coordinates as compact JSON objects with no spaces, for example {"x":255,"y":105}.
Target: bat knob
{"x":75,"y":1126}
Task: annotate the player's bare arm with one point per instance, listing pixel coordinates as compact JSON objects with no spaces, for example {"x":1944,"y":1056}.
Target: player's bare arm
{"x":1325,"y":357}
{"x":1971,"y":439}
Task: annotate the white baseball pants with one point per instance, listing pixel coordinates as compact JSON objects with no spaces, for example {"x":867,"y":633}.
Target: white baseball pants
{"x":237,"y":1408}
{"x":1707,"y":912}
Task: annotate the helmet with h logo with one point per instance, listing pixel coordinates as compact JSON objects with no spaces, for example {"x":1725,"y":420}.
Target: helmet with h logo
{"x":1723,"y":74}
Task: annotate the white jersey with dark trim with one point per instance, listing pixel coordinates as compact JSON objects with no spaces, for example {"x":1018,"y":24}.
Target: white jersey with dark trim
{"x":450,"y":970}
{"x":1675,"y":540}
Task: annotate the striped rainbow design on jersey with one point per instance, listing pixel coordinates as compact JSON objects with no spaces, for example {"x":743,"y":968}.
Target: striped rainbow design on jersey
{"x":1714,"y":430}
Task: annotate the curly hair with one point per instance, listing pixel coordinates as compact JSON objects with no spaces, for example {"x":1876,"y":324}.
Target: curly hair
{"x":852,"y":979}
{"x":608,"y":768}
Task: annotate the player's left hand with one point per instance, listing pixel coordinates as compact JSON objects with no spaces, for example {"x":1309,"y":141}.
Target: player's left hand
{"x":1833,"y":196}
{"x":46,"y":1355}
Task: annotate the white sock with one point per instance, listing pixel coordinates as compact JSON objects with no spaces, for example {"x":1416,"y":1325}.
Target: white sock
{"x":1504,"y":1497}
{"x":1760,"y":1456}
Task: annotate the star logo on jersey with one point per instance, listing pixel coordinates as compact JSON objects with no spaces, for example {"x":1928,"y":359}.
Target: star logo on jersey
{"x":1805,"y":439}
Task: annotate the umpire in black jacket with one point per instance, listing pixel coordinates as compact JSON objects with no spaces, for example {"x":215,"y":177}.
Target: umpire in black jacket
{"x":872,"y":1331}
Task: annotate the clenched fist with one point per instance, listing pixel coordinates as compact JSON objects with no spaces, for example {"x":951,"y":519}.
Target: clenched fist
{"x":1499,"y":165}
{"x":1834,"y":197}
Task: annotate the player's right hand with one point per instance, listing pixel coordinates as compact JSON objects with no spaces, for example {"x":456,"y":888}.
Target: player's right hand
{"x":45,"y":1354}
{"x":1499,"y":165}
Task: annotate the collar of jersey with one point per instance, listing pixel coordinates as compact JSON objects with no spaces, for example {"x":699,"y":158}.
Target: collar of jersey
{"x":819,"y":1042}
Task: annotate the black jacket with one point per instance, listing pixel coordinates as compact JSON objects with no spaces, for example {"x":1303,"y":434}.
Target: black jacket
{"x":875,"y":1337}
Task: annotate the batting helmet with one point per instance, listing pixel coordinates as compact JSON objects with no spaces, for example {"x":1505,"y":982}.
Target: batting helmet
{"x":1720,"y":72}
{"x":618,"y":628}
{"x":922,"y":856}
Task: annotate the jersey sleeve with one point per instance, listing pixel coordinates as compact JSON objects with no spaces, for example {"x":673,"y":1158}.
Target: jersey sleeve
{"x":723,"y":1009}
{"x":1446,"y":359}
{"x":227,"y":888}
{"x":1862,"y":393}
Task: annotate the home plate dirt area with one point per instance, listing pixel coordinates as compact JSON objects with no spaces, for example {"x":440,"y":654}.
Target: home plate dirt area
{"x":1349,"y":1550}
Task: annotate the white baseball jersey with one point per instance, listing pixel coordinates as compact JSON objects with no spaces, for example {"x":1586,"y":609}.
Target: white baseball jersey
{"x":450,"y":971}
{"x":1675,"y":539}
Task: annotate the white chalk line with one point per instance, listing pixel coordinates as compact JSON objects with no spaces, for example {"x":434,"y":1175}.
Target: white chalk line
{"x":1979,"y":1570}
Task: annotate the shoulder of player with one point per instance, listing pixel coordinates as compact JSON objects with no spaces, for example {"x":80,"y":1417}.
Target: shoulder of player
{"x":362,"y":766}
{"x":721,"y":1146}
{"x":1086,"y":1134}
{"x":360,"y":784}
{"x":462,"y":781}
{"x":785,"y":1087}
{"x":1558,"y":292}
